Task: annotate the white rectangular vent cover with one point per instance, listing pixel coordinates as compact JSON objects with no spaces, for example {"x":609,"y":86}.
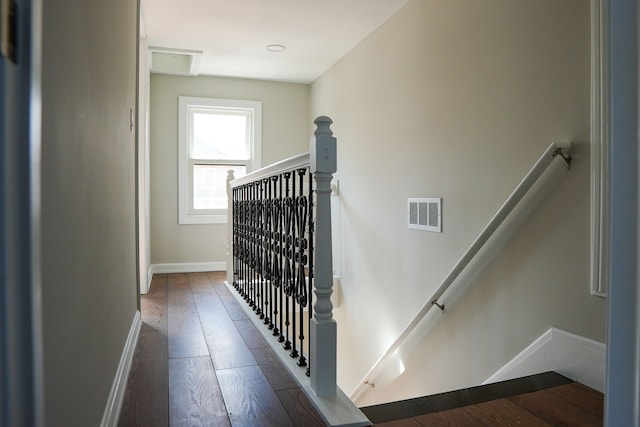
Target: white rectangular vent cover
{"x":425,"y":214}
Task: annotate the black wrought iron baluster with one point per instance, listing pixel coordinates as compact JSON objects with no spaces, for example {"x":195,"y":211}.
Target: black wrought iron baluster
{"x":254,"y":246}
{"x":268,"y":253}
{"x":258,"y":248}
{"x":249,"y":277}
{"x":238,"y":250}
{"x":246,"y":244}
{"x":255,"y":262}
{"x":248,"y":295}
{"x":287,"y":274}
{"x":280,"y":204}
{"x":264,"y":251}
{"x":294,"y":270}
{"x":234,"y":236}
{"x":246,"y":211}
{"x":240,"y":237}
{"x":247,"y":241}
{"x":275,"y":257}
{"x":252,"y":283}
{"x":242,"y":240}
{"x":249,"y":219}
{"x":301,"y":259}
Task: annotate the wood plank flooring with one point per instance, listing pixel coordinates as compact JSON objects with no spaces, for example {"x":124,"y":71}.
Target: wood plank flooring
{"x":201,"y":362}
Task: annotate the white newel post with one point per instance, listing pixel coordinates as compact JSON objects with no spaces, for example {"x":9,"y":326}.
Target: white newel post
{"x":230,"y":177}
{"x":323,"y":163}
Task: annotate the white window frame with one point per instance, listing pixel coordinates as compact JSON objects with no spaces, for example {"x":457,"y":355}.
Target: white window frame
{"x":186,"y":106}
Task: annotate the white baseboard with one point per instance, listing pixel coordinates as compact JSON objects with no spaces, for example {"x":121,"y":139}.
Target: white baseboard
{"x":116,"y":395}
{"x":187,"y":267}
{"x":573,"y":356}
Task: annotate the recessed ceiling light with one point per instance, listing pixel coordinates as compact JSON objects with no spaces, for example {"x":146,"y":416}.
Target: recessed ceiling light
{"x":276,"y":47}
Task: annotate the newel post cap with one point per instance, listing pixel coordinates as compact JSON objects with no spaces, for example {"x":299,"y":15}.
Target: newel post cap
{"x":322,"y":147}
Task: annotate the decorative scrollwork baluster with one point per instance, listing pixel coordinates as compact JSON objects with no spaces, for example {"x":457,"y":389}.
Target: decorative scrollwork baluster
{"x":267,"y":251}
{"x":294,"y":266}
{"x":287,"y":273}
{"x":259,"y":250}
{"x":245,"y":241}
{"x":274,"y":248}
{"x":235,"y":236}
{"x":252,"y":247}
{"x":301,"y":259}
{"x":280,"y":204}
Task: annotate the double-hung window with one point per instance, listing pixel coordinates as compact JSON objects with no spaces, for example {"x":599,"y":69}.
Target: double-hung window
{"x":215,"y":136}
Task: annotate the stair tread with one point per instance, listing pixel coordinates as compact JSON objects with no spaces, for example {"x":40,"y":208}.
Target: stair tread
{"x":410,"y":408}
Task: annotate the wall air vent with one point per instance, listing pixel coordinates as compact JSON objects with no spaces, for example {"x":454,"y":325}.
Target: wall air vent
{"x":425,"y":214}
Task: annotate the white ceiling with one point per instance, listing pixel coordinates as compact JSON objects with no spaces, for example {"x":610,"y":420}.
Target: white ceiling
{"x":233,"y":34}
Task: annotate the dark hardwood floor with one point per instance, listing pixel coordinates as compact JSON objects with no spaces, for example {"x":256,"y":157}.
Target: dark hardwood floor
{"x":201,"y":362}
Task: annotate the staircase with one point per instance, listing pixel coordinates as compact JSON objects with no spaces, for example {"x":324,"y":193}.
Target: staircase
{"x":537,"y":400}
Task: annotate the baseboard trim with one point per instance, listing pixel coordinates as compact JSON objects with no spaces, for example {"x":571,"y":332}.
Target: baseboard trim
{"x":573,"y":356}
{"x":187,"y":267}
{"x":116,"y":395}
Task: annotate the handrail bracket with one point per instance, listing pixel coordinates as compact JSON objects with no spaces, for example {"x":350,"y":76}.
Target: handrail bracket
{"x":566,"y":157}
{"x":437,"y":304}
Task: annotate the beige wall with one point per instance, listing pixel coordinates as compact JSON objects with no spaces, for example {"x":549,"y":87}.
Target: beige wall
{"x":88,"y":202}
{"x":457,"y":99}
{"x":285,"y":132}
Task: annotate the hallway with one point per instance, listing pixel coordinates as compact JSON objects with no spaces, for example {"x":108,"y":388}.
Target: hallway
{"x":200,"y":361}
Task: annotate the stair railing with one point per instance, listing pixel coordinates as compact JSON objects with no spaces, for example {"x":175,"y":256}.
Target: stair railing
{"x":279,"y":261}
{"x":554,"y":150}
{"x":281,"y":247}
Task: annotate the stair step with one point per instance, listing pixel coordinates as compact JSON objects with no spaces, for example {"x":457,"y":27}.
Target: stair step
{"x":455,"y":399}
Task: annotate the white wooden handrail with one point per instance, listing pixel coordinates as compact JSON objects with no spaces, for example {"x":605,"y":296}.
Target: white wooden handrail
{"x":555,"y":149}
{"x":290,"y":164}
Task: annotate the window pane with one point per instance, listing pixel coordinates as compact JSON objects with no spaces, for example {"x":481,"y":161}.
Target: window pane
{"x":219,"y":136}
{"x":210,"y":185}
